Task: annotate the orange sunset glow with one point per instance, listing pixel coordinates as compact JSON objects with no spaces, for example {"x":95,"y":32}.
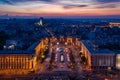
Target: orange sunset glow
{"x":60,"y":7}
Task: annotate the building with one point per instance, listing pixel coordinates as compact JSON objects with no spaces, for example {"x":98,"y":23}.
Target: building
{"x":118,"y":61}
{"x":16,"y":62}
{"x":98,"y":58}
{"x":42,"y":45}
{"x":69,"y":40}
{"x":114,"y":24}
{"x":22,"y":61}
{"x":41,"y":21}
{"x":26,"y":61}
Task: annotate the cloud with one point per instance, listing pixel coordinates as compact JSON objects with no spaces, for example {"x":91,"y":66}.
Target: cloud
{"x":6,"y":2}
{"x":107,"y":6}
{"x":12,"y":2}
{"x":107,"y":1}
{"x":74,"y":6}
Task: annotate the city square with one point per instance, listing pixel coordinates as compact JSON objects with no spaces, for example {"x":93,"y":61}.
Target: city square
{"x":59,"y":39}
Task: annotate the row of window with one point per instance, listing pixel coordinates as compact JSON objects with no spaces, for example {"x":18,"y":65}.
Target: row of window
{"x":15,"y":65}
{"x":9,"y":59}
{"x":100,"y":67}
{"x":102,"y":60}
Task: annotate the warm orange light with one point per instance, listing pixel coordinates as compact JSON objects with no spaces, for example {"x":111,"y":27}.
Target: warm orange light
{"x":43,"y":56}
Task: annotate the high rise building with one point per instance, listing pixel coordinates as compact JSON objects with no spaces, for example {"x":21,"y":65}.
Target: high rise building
{"x":41,"y":21}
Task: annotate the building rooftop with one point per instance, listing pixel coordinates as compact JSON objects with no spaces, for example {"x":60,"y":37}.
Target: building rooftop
{"x":33,"y":46}
{"x":90,"y":46}
{"x":16,"y":52}
{"x":30,"y":50}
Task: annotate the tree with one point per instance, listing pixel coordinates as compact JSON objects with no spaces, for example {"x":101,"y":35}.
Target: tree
{"x":3,"y":38}
{"x":84,"y":59}
{"x":80,"y":53}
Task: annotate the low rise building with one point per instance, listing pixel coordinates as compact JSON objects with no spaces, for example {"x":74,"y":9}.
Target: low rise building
{"x":98,"y":58}
{"x":114,"y":24}
{"x":16,"y":62}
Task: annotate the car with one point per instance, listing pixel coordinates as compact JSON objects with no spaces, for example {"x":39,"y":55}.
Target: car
{"x":59,"y":49}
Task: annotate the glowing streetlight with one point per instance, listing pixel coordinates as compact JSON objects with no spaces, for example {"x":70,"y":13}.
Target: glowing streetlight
{"x":57,"y":43}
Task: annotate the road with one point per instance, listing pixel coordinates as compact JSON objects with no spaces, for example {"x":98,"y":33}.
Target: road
{"x":64,"y":66}
{"x":61,"y":60}
{"x":63,"y":55}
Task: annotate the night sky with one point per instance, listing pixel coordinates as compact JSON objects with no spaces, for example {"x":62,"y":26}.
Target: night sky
{"x":60,"y":7}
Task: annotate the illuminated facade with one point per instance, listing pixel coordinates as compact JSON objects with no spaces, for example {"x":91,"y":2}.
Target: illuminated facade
{"x":77,"y":42}
{"x":69,"y":40}
{"x":118,"y":61}
{"x":21,"y":62}
{"x":87,"y":54}
{"x":42,"y":45}
{"x":103,"y":61}
{"x":53,"y":39}
{"x":16,"y":62}
{"x":114,"y":24}
{"x":98,"y":59}
{"x":62,"y":39}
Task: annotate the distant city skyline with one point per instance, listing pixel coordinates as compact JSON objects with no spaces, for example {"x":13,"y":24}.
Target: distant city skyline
{"x":70,"y":8}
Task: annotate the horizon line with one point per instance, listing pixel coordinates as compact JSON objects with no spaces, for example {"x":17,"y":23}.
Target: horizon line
{"x":60,"y":16}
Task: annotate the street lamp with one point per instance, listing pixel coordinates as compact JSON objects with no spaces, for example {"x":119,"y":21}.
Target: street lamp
{"x":66,"y":43}
{"x":43,"y":56}
{"x":105,"y":79}
{"x":57,"y":43}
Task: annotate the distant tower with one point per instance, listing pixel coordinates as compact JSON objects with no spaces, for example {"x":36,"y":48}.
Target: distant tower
{"x":41,"y":21}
